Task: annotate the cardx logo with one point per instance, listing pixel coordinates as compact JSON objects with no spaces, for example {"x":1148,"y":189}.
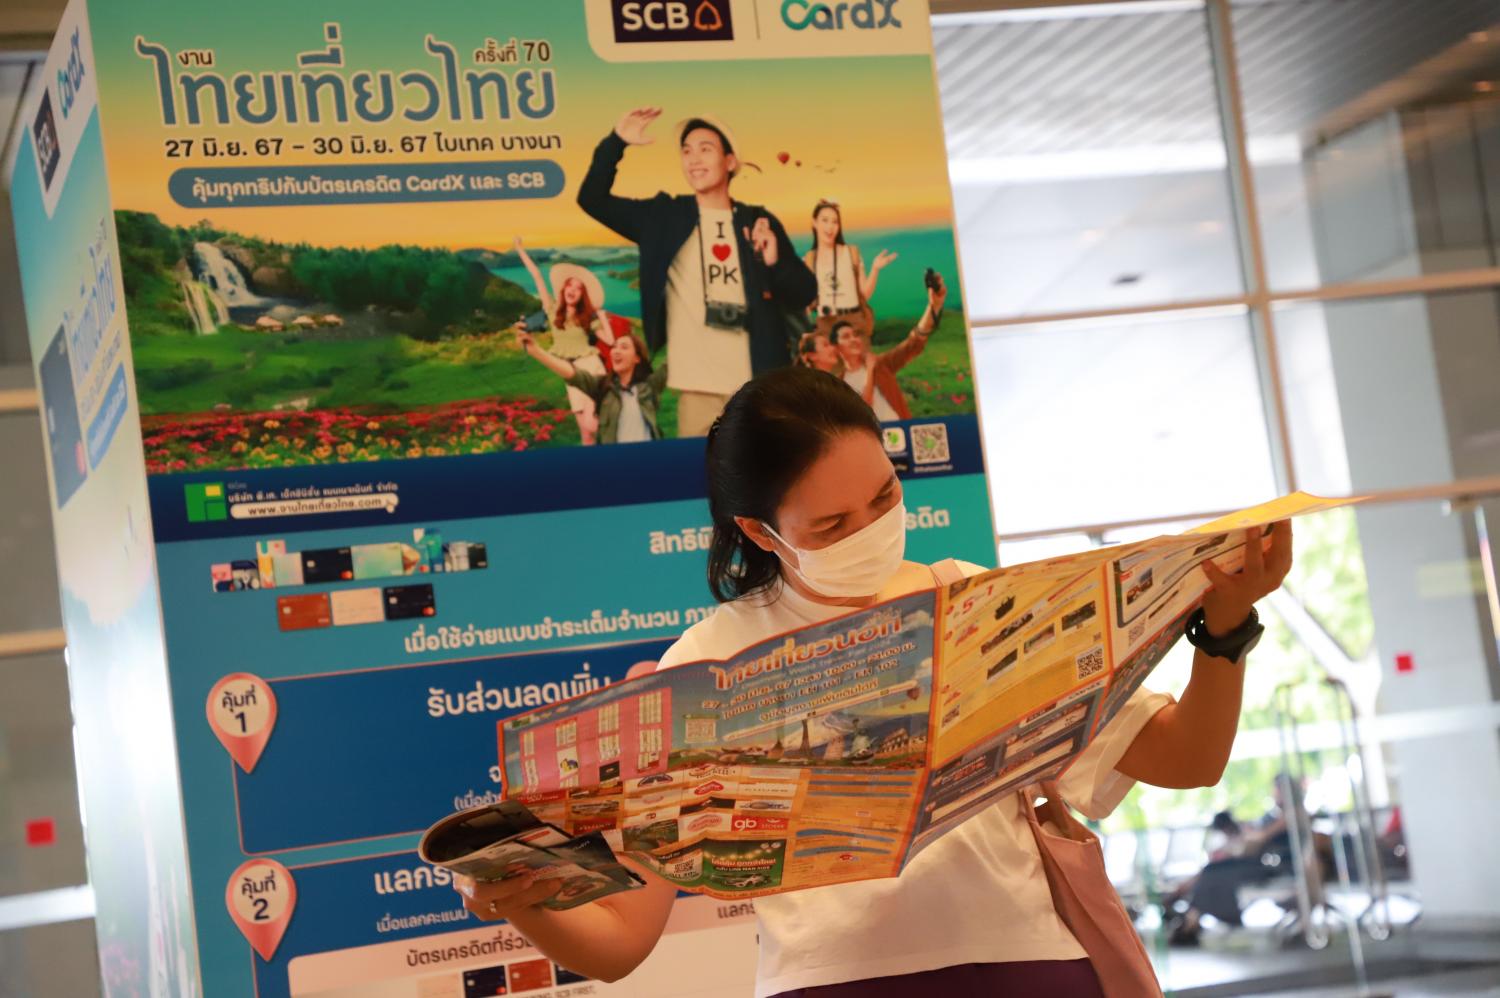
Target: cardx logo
{"x":866,"y":15}
{"x":70,"y":77}
{"x":673,"y":21}
{"x":205,"y":502}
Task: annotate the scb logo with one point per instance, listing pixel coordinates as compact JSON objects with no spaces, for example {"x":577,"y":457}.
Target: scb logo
{"x":864,"y":14}
{"x":672,"y":21}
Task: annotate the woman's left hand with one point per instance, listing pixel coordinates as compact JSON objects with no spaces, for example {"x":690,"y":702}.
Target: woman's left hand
{"x":1228,"y":603}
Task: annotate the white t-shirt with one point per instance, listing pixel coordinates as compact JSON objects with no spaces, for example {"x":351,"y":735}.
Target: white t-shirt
{"x":837,"y":288}
{"x":856,"y":379}
{"x":976,"y":895}
{"x":701,"y":358}
{"x":633,"y":428}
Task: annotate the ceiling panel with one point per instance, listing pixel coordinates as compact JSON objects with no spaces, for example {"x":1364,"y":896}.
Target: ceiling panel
{"x":1087,"y":80}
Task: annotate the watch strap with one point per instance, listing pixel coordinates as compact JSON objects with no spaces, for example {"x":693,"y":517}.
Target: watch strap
{"x":1232,"y":646}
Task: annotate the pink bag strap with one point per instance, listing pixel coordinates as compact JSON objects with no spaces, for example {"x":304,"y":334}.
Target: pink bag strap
{"x":947,"y":572}
{"x":1086,"y":901}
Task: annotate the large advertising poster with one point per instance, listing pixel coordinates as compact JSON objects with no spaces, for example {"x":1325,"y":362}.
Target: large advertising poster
{"x":430,"y":307}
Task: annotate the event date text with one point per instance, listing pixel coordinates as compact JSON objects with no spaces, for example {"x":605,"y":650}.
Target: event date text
{"x":269,"y":147}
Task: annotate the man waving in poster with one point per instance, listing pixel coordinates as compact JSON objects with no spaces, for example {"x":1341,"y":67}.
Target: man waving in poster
{"x":717,"y":277}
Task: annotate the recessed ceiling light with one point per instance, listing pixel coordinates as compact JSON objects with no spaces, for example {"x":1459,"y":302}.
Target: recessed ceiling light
{"x":1479,"y":37}
{"x":1484,"y":87}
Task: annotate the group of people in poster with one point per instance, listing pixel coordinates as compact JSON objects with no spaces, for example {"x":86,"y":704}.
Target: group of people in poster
{"x":724,"y":297}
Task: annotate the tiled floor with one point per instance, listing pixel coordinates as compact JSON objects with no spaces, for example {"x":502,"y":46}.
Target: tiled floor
{"x":1409,"y":965}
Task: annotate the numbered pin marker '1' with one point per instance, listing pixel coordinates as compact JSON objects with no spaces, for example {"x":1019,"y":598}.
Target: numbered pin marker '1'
{"x":242,"y":712}
{"x":261,"y":896}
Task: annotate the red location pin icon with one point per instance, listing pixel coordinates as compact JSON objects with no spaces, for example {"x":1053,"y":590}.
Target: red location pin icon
{"x":242,"y":712}
{"x":261,"y":896}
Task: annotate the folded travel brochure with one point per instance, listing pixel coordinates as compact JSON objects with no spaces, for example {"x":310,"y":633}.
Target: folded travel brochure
{"x":498,"y":841}
{"x":837,"y":752}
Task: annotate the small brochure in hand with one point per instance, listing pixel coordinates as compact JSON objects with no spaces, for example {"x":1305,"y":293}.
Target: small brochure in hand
{"x":497,"y":841}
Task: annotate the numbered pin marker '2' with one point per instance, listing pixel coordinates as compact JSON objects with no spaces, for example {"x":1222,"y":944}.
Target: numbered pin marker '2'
{"x":242,"y":712}
{"x":261,"y":897}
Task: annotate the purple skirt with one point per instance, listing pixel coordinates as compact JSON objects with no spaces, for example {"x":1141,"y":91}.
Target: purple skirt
{"x":1032,"y":978}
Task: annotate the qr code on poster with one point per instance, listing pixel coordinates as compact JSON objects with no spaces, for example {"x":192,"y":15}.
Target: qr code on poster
{"x":1091,"y":662}
{"x":929,"y":443}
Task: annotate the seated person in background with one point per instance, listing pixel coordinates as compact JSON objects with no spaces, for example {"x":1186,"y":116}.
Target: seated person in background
{"x":1258,"y":855}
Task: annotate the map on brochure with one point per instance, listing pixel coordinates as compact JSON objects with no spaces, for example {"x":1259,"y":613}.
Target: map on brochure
{"x":837,"y":752}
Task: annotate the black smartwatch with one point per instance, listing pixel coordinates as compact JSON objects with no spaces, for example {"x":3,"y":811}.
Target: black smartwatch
{"x":1233,"y":646}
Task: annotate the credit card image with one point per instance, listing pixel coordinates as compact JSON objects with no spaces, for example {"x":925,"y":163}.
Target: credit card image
{"x":530,"y":975}
{"x":405,"y":602}
{"x":244,"y":575}
{"x":356,"y":606}
{"x":328,"y":565}
{"x":222,"y":577}
{"x":304,"y":612}
{"x":376,"y":561}
{"x":485,"y":981}
{"x":566,"y":976}
{"x":430,"y":544}
{"x":286,"y":569}
{"x":479,"y":556}
{"x":265,"y":553}
{"x":60,"y":413}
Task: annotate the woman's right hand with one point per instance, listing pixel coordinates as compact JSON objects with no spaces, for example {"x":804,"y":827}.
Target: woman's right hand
{"x":497,"y":900}
{"x":524,"y":337}
{"x":517,"y":244}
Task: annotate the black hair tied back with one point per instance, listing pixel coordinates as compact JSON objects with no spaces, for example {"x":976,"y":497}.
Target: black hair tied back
{"x":769,"y":434}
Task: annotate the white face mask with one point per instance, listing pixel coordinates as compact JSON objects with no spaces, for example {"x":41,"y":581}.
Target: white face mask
{"x":858,"y":565}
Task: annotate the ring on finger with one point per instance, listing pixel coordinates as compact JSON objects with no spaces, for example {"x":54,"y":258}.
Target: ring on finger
{"x":493,"y":909}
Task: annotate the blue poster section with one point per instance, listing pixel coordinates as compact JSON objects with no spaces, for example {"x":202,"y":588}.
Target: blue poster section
{"x":386,"y":898}
{"x":384,"y":725}
{"x":425,"y":742}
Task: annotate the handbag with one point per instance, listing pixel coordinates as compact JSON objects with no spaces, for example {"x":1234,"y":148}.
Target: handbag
{"x":1082,"y":894}
{"x":1085,"y":899}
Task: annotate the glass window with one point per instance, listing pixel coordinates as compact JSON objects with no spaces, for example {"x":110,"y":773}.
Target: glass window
{"x":1103,"y":422}
{"x":1374,"y":135}
{"x":1087,"y":158}
{"x":1397,"y":603}
{"x":1042,"y":548}
{"x":1392,"y":392}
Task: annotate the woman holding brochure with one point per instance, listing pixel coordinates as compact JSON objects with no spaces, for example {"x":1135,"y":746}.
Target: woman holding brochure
{"x":809,"y":524}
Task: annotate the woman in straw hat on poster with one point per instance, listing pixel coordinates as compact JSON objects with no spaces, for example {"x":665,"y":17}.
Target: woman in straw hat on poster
{"x":574,"y":309}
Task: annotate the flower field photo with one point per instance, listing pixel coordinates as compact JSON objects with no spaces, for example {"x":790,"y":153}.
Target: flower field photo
{"x":278,"y":439}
